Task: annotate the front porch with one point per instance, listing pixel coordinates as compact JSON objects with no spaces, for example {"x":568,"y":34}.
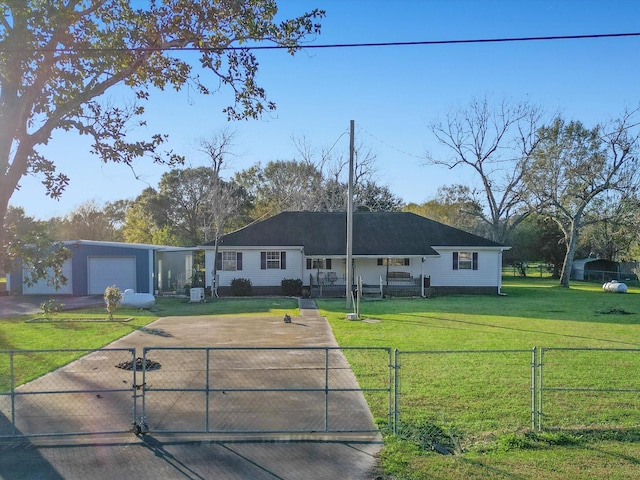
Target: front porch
{"x":323,"y":285}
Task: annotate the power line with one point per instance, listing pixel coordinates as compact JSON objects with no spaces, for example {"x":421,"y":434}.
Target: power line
{"x":338,"y":45}
{"x":481,"y":40}
{"x":386,"y":144}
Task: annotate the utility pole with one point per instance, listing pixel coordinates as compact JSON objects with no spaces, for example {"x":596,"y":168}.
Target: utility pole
{"x":350,"y":215}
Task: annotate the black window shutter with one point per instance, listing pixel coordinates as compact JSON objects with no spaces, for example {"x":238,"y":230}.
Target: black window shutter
{"x":309,"y":264}
{"x":219,"y":261}
{"x":239,"y":261}
{"x":283,"y":260}
{"x":406,"y":262}
{"x":380,"y":261}
{"x":455,"y":260}
{"x":263,"y":260}
{"x":475,"y":260}
{"x":328,"y":264}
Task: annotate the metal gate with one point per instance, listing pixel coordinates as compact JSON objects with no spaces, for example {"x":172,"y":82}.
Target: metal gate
{"x":96,"y":393}
{"x":258,"y":390}
{"x":197,"y":390}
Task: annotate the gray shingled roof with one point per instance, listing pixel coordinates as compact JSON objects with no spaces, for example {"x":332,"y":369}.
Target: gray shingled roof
{"x":374,"y":233}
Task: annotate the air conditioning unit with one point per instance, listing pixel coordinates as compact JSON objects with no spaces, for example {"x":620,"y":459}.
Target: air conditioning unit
{"x":197,"y":295}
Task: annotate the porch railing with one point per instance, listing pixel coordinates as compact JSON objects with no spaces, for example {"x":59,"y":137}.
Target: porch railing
{"x":321,"y":286}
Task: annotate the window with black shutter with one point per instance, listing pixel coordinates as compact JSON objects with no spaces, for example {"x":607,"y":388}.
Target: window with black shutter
{"x":465,"y":260}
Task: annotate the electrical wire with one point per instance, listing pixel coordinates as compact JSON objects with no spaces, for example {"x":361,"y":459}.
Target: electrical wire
{"x":336,"y":45}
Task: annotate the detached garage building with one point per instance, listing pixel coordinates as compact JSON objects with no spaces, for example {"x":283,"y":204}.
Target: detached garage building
{"x":94,"y":266}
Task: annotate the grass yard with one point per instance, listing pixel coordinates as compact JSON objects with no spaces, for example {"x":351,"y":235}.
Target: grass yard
{"x":479,"y":404}
{"x":89,"y":329}
{"x":487,"y":414}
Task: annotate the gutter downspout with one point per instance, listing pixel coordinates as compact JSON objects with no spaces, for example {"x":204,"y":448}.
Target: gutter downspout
{"x":422,"y":260}
{"x":500,"y":276}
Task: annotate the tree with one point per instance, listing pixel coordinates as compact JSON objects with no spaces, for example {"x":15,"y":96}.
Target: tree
{"x":573,"y":168}
{"x":226,"y":202}
{"x":612,"y":237}
{"x":57,"y":58}
{"x":28,"y":240}
{"x":90,"y":221}
{"x":281,"y":186}
{"x":178,"y":207}
{"x":184,"y":194}
{"x":145,"y":221}
{"x":116,"y":213}
{"x":370,"y":197}
{"x":536,"y":239}
{"x":495,"y":143}
{"x":138,"y":227}
{"x":189,"y":207}
{"x":217,"y":148}
{"x":454,"y":205}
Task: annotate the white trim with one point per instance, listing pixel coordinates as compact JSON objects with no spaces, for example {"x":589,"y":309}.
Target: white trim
{"x":142,"y":246}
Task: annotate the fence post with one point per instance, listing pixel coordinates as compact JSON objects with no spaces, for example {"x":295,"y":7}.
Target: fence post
{"x":134,"y":386}
{"x":208,"y":390}
{"x":13,"y":393}
{"x":540,"y":388}
{"x":534,"y":383}
{"x":326,"y":389}
{"x":396,"y":388}
{"x":390,"y":380}
{"x":142,"y":426}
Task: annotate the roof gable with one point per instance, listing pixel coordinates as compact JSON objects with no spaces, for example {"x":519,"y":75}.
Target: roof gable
{"x":374,"y":233}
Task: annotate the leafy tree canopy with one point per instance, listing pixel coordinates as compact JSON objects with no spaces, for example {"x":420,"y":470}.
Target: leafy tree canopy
{"x":58,"y":57}
{"x":40,"y":257}
{"x":577,"y":176}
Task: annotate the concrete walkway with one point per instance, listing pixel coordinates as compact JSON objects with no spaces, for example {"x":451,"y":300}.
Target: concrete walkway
{"x":203,"y":456}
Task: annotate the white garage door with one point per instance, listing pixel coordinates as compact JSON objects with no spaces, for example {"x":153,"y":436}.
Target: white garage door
{"x":107,"y":271}
{"x":41,"y":287}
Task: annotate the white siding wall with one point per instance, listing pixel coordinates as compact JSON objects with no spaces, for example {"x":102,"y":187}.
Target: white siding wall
{"x":443,"y":275}
{"x":440,"y":269}
{"x":251,"y":268}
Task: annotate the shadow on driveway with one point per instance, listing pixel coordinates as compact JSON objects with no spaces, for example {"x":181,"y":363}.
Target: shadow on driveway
{"x":14,"y":305}
{"x":203,"y":456}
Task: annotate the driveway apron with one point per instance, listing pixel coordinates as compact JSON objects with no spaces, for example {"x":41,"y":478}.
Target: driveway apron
{"x":322,"y":455}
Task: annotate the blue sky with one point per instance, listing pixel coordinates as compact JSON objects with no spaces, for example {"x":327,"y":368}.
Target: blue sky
{"x":392,"y":93}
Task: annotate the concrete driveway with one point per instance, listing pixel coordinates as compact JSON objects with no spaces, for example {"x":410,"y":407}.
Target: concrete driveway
{"x":14,"y":305}
{"x":204,"y":456}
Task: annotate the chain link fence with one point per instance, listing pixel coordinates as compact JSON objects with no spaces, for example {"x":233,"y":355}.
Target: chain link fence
{"x":588,"y":388}
{"x":85,"y":392}
{"x":267,"y":390}
{"x":444,"y":400}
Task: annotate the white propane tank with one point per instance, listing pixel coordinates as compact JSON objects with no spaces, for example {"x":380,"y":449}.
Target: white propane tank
{"x":615,"y":286}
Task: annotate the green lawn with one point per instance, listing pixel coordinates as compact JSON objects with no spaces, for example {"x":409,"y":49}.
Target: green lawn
{"x":479,"y":404}
{"x":87,"y":329}
{"x":490,"y":428}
